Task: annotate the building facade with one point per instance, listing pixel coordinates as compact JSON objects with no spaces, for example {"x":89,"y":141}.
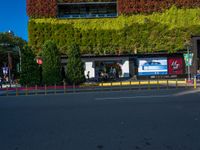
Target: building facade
{"x":107,"y":29}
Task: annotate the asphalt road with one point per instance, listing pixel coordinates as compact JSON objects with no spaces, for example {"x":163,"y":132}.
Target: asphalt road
{"x":126,"y":120}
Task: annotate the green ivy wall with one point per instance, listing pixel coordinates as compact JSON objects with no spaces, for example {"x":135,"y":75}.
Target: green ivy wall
{"x":165,"y":31}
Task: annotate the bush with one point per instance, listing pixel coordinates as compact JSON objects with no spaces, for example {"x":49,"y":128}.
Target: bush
{"x":75,"y":67}
{"x":51,"y":67}
{"x":30,"y":74}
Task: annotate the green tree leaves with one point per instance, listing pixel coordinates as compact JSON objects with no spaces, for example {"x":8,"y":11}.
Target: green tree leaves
{"x":75,"y":67}
{"x":30,"y":74}
{"x":51,"y":67}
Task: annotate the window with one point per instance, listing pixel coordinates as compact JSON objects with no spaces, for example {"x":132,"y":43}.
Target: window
{"x":87,"y":10}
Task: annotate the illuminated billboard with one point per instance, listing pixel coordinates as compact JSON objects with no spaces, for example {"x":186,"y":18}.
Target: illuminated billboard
{"x":152,"y":66}
{"x":175,"y":65}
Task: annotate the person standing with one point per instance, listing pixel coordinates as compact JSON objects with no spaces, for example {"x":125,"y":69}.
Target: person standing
{"x":88,"y":75}
{"x":0,"y":82}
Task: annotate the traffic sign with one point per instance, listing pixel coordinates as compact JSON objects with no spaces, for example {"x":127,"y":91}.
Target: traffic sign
{"x":188,"y":59}
{"x":5,"y":70}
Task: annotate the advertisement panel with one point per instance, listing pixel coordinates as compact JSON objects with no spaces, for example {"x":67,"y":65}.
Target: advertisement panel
{"x":175,"y":65}
{"x":152,"y":66}
{"x":188,"y":59}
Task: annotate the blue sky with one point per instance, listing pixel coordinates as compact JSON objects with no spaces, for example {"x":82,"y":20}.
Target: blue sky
{"x":13,"y":17}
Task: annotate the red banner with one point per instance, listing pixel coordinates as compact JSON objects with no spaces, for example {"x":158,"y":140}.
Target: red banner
{"x":175,"y":65}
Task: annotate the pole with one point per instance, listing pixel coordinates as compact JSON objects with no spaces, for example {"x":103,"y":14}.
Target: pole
{"x":195,"y":83}
{"x":188,"y":63}
{"x":20,"y":58}
{"x":9,"y":68}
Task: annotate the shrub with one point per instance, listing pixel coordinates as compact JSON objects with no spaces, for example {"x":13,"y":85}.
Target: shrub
{"x":29,"y":74}
{"x":51,"y":67}
{"x":75,"y":67}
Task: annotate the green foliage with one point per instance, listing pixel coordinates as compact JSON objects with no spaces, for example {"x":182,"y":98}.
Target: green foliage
{"x":10,"y":43}
{"x":75,"y":67}
{"x":30,"y":74}
{"x":165,"y":31}
{"x":51,"y":67}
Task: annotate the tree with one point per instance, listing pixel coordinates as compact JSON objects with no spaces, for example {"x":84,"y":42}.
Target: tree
{"x":51,"y":67}
{"x":30,"y":74}
{"x":75,"y":67}
{"x":11,"y":45}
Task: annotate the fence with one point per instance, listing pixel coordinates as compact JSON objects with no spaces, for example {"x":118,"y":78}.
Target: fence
{"x":111,"y":86}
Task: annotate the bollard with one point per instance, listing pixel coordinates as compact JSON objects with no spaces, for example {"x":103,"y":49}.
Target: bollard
{"x":176,"y":83}
{"x":195,"y":83}
{"x":26,"y":91}
{"x":149,"y":87}
{"x":186,"y":85}
{"x":64,"y":87}
{"x":167,"y":84}
{"x":17,"y":94}
{"x":111,"y":85}
{"x":158,"y":85}
{"x":6,"y":91}
{"x":36,"y":90}
{"x":74,"y":88}
{"x":121,"y":85}
{"x":45,"y":88}
{"x":55,"y":89}
{"x":130,"y":85}
{"x":139,"y":85}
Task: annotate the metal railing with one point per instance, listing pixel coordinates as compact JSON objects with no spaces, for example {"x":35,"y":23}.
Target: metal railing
{"x":92,"y":87}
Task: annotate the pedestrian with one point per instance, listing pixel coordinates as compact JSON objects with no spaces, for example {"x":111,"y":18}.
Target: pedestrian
{"x":0,"y":82}
{"x":88,"y":75}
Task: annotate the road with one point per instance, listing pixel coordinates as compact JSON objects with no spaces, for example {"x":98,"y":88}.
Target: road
{"x":123,"y":120}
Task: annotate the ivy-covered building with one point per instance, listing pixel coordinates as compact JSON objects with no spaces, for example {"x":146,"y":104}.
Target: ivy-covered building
{"x":118,"y":27}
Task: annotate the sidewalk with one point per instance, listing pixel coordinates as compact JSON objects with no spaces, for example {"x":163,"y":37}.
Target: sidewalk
{"x":12,"y":86}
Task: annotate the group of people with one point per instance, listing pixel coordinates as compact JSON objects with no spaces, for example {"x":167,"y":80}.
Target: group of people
{"x":5,"y":79}
{"x":103,"y":75}
{"x":2,"y":80}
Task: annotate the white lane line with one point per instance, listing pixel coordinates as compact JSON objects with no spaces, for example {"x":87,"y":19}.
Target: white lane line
{"x":131,"y":97}
{"x":187,"y":92}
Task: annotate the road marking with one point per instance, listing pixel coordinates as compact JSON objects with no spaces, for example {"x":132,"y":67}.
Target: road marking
{"x":148,"y":96}
{"x":131,"y":97}
{"x":187,"y":92}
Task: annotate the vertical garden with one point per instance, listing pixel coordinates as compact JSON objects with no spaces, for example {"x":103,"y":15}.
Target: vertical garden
{"x":141,"y":27}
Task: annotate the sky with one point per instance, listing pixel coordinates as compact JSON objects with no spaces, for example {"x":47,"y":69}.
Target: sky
{"x":13,"y":17}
